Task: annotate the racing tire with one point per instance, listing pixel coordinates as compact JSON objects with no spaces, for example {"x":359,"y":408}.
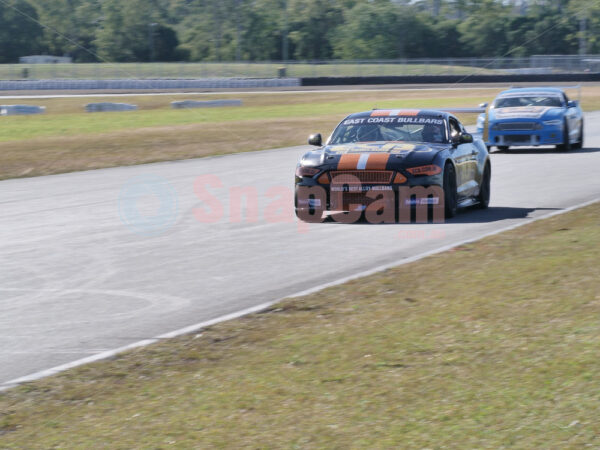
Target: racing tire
{"x":579,"y":144}
{"x":566,"y":145}
{"x":450,"y":191}
{"x":502,"y":148}
{"x":483,"y":198}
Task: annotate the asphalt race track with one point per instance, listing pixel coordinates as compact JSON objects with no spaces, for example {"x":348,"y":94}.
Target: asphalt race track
{"x":93,"y":261}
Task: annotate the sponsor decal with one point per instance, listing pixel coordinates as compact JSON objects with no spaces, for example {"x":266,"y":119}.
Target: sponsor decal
{"x":422,"y":201}
{"x":310,"y":202}
{"x":420,"y":120}
{"x":354,"y":121}
{"x":359,"y":188}
{"x":525,"y":112}
{"x":389,"y":147}
{"x":402,"y":148}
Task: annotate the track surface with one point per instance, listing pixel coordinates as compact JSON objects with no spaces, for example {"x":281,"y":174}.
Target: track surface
{"x":76,"y":280}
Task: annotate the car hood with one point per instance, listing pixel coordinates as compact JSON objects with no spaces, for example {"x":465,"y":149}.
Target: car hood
{"x":523,"y":112}
{"x":392,"y":154}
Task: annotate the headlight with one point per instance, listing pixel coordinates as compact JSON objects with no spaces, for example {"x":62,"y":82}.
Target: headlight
{"x":553,"y":123}
{"x":302,"y":171}
{"x":425,"y":170}
{"x":480,"y":122}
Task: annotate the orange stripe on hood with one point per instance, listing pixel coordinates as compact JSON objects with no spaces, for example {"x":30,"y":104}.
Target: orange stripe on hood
{"x":348,"y":161}
{"x":377,"y":161}
{"x":379,"y":112}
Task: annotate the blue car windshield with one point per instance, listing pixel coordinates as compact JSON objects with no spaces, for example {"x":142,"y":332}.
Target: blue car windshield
{"x":528,"y":100}
{"x":375,"y":129}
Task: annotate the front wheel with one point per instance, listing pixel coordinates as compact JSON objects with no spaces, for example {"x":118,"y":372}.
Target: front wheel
{"x":566,"y":145}
{"x":483,"y":198}
{"x":579,"y":144}
{"x":450,"y":194}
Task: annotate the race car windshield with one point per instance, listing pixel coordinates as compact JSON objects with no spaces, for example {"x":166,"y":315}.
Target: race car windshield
{"x":528,"y":100}
{"x":400,"y":128}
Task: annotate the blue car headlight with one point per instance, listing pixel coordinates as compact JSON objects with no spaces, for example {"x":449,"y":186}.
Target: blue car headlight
{"x":553,"y":123}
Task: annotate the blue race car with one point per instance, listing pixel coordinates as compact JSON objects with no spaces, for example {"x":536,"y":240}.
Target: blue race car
{"x":529,"y":117}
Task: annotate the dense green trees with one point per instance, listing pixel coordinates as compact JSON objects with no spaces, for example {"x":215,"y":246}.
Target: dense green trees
{"x":227,"y":30}
{"x":19,"y":30}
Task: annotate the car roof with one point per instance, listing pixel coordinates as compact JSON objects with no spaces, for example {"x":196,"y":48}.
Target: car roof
{"x":532,"y":90}
{"x":401,"y":112}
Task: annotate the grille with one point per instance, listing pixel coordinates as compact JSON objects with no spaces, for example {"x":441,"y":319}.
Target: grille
{"x":517,"y":138}
{"x":367,"y":176}
{"x":517,"y":126}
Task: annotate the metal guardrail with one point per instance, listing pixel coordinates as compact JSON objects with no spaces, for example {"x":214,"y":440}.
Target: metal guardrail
{"x":537,"y":64}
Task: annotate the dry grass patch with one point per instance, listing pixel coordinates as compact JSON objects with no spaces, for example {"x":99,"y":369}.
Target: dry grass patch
{"x":45,"y":156}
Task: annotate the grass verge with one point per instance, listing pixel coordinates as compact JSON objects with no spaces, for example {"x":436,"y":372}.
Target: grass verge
{"x":97,"y":71}
{"x":494,"y":344}
{"x":67,"y":139}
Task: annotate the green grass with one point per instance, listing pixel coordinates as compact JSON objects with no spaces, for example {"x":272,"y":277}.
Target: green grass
{"x":494,"y":344}
{"x":211,"y":70}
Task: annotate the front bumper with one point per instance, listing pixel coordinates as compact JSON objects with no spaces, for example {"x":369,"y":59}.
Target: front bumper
{"x":341,"y":198}
{"x":526,"y":138}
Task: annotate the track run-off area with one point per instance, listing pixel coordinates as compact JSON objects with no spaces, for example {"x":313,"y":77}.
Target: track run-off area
{"x":86,"y":269}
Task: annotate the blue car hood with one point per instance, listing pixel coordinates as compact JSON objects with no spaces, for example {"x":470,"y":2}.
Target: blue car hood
{"x":524,"y":112}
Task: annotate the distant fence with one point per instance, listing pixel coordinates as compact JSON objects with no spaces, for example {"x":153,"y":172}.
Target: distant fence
{"x":452,"y":79}
{"x":218,"y":83}
{"x":537,"y":64}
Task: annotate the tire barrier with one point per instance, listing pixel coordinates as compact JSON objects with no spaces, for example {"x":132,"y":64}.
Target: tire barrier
{"x":185,"y":104}
{"x":107,"y":106}
{"x":18,"y":110}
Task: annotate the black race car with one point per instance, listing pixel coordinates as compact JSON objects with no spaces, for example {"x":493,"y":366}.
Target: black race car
{"x":386,"y":164}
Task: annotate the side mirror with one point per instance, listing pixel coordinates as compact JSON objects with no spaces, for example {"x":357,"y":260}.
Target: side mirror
{"x":483,"y":105}
{"x":572,"y":104}
{"x":466,"y":138}
{"x":315,"y":139}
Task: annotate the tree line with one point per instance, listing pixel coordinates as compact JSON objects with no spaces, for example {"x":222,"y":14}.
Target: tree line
{"x":261,"y":30}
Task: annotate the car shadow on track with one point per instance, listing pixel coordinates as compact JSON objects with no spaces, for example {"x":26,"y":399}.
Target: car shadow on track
{"x":543,"y":150}
{"x":494,"y":214}
{"x":467,"y":215}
